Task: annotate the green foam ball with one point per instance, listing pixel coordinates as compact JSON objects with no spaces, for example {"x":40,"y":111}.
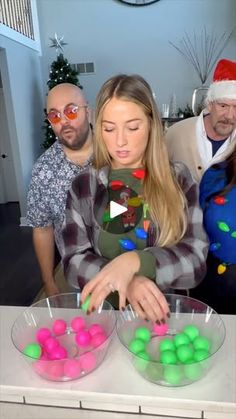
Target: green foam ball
{"x":173,"y":374}
{"x":167,"y":344}
{"x":181,"y":339}
{"x":86,"y":303}
{"x":200,"y":355}
{"x":33,"y":350}
{"x":184,"y":353}
{"x":193,"y":371}
{"x":141,"y":361}
{"x":154,"y":372}
{"x":191,"y":331}
{"x":201,"y":342}
{"x":143,"y":333}
{"x":136,"y":346}
{"x":168,"y":357}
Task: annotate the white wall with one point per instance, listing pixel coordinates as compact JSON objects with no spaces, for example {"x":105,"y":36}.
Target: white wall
{"x":22,"y":85}
{"x":121,"y":38}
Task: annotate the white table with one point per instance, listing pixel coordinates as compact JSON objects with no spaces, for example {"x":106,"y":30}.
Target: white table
{"x":115,"y":390}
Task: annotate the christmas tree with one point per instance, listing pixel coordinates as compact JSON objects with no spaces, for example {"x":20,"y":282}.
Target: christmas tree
{"x":61,"y":72}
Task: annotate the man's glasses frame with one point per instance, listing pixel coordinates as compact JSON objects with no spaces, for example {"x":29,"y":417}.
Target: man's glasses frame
{"x":70,"y":112}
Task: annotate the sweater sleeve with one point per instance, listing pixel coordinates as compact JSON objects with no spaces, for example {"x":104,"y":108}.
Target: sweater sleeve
{"x":147,"y":264}
{"x":80,"y":261}
{"x":213,"y":181}
{"x":182,"y":266}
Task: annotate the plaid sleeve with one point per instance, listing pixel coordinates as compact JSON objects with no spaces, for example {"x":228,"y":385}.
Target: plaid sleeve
{"x":183,"y":266}
{"x":80,"y":261}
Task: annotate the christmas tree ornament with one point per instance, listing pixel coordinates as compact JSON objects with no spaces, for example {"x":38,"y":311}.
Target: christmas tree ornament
{"x":57,"y":43}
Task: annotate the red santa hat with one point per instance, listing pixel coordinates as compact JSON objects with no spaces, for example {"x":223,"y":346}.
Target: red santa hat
{"x":224,"y":82}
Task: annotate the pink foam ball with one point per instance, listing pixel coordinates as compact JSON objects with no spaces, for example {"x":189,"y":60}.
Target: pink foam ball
{"x":54,"y":370}
{"x":59,"y":352}
{"x":95,"y":328}
{"x":78,"y":323}
{"x":44,"y":355}
{"x":50,"y":344}
{"x":42,"y":334}
{"x":161,"y":329}
{"x":98,"y":339}
{"x":59,"y":327}
{"x":72,"y":368}
{"x":40,"y":366}
{"x":88,"y":361}
{"x":83,"y":338}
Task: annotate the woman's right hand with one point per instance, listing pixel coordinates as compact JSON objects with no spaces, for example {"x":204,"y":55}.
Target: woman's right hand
{"x":147,"y":300}
{"x":116,"y":275}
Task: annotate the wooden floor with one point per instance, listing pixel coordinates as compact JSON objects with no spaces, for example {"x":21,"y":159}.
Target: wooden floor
{"x":20,"y":280}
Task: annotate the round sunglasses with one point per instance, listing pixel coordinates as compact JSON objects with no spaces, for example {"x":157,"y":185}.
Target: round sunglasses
{"x":71,"y":112}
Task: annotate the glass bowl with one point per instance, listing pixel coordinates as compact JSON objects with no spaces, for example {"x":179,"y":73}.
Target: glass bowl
{"x":174,"y":354}
{"x":59,"y":340}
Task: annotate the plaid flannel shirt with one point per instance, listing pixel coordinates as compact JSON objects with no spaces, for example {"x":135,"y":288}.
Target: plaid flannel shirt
{"x":181,"y":266}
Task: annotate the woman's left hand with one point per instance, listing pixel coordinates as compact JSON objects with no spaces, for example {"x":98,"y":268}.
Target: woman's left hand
{"x":147,"y":299}
{"x":115,"y":276}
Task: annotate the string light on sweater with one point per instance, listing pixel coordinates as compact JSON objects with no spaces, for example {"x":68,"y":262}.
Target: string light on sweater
{"x":128,"y":193}
{"x":223,"y":226}
{"x":220,"y":200}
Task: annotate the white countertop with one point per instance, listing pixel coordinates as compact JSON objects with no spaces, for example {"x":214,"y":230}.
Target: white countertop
{"x":116,"y":386}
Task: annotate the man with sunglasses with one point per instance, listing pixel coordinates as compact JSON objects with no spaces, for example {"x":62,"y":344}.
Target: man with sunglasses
{"x":69,"y":116}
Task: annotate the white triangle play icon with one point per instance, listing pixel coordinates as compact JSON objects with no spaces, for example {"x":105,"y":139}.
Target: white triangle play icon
{"x":116,"y":209}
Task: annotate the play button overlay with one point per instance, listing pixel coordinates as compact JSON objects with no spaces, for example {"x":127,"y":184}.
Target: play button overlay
{"x":116,"y":209}
{"x":123,"y":211}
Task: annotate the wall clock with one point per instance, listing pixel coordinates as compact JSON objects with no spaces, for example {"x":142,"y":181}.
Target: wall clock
{"x":138,"y":2}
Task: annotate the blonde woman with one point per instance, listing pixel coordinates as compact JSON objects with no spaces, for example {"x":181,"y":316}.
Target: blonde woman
{"x":157,"y":244}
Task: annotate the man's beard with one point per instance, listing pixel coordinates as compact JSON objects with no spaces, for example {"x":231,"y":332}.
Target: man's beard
{"x":224,"y":128}
{"x":79,"y":140}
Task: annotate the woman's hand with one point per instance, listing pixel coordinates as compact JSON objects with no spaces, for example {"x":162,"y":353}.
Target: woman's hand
{"x":147,"y":300}
{"x":116,"y":275}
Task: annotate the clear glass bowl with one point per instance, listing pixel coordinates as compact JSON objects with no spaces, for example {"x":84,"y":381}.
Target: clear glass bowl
{"x":178,"y":360}
{"x":59,"y":340}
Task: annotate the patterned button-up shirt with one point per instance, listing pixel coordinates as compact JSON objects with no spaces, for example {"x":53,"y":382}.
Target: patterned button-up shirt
{"x":181,"y":266}
{"x":52,"y":176}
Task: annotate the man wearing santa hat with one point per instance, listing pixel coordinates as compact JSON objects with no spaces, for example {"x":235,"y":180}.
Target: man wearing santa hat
{"x":208,"y":138}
